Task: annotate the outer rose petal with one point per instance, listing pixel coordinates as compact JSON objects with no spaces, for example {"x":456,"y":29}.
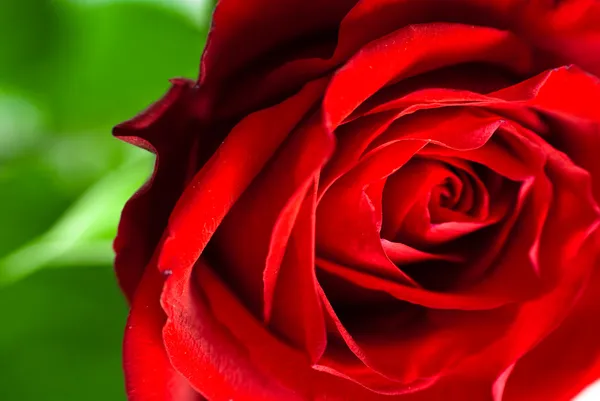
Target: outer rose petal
{"x":569,"y":30}
{"x":284,"y":365}
{"x":247,"y":35}
{"x":252,"y":40}
{"x":566,"y":260}
{"x":148,"y":371}
{"x":208,"y":355}
{"x":198,"y":349}
{"x":580,"y":140}
{"x":167,"y":130}
{"x":250,"y":247}
{"x":417,"y":49}
{"x":569,"y":359}
{"x":297,"y":309}
{"x":228,"y":173}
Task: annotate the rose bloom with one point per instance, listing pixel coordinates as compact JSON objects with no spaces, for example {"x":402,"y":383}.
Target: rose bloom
{"x":371,"y":200}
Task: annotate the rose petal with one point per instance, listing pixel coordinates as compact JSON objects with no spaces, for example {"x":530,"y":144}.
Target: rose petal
{"x":149,"y":375}
{"x":566,"y":29}
{"x":545,"y":93}
{"x":412,"y":50}
{"x":352,"y":35}
{"x":242,"y":340}
{"x":355,"y":137}
{"x":372,"y":19}
{"x":346,"y":365}
{"x":459,"y":83}
{"x":573,"y":210}
{"x":579,"y":139}
{"x":228,"y":173}
{"x":401,"y":254}
{"x":424,"y":350}
{"x":408,"y":185}
{"x":562,"y":31}
{"x":494,"y":290}
{"x":192,"y":223}
{"x":474,"y":299}
{"x":206,"y":353}
{"x":407,"y":201}
{"x":251,"y":246}
{"x":509,"y":153}
{"x":347,"y":224}
{"x":565,"y":264}
{"x":248,"y":35}
{"x":569,"y":359}
{"x":145,"y":215}
{"x":352,"y":140}
{"x":297,"y":308}
{"x":455,"y":128}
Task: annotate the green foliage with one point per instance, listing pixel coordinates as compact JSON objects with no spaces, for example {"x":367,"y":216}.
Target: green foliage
{"x":61,"y":337}
{"x":69,"y":71}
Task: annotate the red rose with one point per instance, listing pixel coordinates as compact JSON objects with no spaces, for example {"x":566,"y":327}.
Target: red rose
{"x":371,"y":200}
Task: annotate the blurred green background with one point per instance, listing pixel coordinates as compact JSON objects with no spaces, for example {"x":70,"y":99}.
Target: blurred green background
{"x":69,"y":71}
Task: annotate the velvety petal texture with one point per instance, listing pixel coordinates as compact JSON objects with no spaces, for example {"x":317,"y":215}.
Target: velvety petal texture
{"x":371,"y":200}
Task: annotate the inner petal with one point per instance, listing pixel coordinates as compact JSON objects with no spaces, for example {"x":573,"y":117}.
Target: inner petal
{"x":384,"y":333}
{"x":448,"y":209}
{"x":432,"y":201}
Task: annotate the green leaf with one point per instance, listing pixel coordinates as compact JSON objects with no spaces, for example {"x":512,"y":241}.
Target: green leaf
{"x":31,"y":200}
{"x":69,"y":71}
{"x":20,"y":125}
{"x":62,"y":337}
{"x":119,"y":59}
{"x":95,"y":214}
{"x":30,"y":38}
